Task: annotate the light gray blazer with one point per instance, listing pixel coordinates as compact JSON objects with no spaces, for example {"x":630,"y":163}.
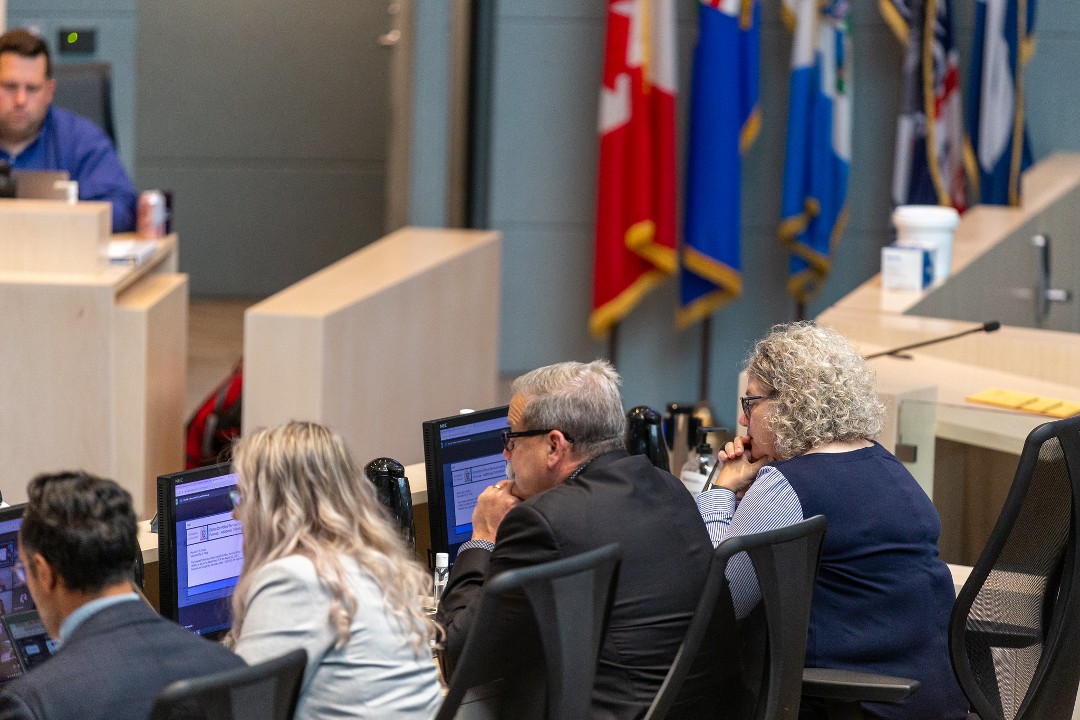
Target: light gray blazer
{"x":375,"y":675}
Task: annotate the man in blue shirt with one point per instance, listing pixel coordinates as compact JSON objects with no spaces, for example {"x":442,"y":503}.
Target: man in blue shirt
{"x":36,"y":136}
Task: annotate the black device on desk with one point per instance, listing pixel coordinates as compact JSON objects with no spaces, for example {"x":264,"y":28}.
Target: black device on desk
{"x":24,"y":644}
{"x":200,"y":548}
{"x":462,"y":455}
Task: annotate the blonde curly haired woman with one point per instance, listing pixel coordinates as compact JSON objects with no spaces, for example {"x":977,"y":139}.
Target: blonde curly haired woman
{"x":326,"y":570}
{"x":883,"y":597}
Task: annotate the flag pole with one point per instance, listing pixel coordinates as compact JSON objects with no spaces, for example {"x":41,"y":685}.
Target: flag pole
{"x":706,"y":358}
{"x":613,"y":345}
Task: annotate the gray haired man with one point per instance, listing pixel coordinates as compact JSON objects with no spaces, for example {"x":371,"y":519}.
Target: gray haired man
{"x":572,"y":487}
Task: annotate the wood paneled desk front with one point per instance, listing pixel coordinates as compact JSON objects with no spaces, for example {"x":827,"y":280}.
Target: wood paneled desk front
{"x":93,"y":355}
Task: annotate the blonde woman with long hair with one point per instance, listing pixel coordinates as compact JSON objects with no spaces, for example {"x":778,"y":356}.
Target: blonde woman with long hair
{"x":326,"y":570}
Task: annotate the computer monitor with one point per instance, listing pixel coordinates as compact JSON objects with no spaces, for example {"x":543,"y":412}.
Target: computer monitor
{"x":200,"y":548}
{"x":463,"y":455}
{"x":23,"y":641}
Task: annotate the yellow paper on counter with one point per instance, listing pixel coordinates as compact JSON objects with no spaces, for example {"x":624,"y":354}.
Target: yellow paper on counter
{"x":1002,"y":398}
{"x":1043,"y":405}
{"x":1064,"y":410}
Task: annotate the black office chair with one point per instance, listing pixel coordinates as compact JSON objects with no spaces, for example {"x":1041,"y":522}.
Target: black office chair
{"x":750,"y":668}
{"x":571,"y":600}
{"x":1014,"y":635}
{"x":1015,"y":629}
{"x":86,"y":89}
{"x":267,"y":691}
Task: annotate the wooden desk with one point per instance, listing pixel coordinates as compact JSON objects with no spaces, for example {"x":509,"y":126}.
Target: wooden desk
{"x":401,"y":331}
{"x":92,"y":363}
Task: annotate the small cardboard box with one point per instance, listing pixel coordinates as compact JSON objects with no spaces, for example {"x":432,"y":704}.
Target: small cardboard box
{"x":907,"y":267}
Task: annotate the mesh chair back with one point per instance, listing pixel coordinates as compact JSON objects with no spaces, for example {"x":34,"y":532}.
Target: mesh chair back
{"x":1014,"y":633}
{"x":86,"y":89}
{"x":570,"y":600}
{"x":785,"y":561}
{"x":267,"y":691}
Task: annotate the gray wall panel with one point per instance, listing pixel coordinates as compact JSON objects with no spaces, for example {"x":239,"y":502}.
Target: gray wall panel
{"x":431,"y":100}
{"x":546,"y":294}
{"x":244,"y":227}
{"x":544,"y":157}
{"x":269,"y":123}
{"x":551,"y":10}
{"x":1052,"y":86}
{"x":267,"y":92}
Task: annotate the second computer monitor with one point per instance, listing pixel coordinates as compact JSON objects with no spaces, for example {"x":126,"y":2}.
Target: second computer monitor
{"x":200,"y":548}
{"x":463,"y":455}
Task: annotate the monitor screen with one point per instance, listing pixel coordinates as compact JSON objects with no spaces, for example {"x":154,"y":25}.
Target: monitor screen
{"x":27,"y":633}
{"x":463,"y":455}
{"x":17,"y":612}
{"x":200,"y":548}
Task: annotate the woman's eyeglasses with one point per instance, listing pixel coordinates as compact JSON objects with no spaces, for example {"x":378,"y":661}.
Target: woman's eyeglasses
{"x":748,"y":401}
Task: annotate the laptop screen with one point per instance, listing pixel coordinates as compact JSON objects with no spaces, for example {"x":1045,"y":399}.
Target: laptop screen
{"x":40,"y":184}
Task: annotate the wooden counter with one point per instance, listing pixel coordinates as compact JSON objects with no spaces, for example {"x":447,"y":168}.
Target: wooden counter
{"x":92,"y":363}
{"x":401,"y":331}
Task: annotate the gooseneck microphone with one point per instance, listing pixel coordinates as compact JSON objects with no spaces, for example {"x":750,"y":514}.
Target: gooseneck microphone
{"x":989,"y":327}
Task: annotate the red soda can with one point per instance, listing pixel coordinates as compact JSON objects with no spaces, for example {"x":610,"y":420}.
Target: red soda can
{"x":151,"y":217}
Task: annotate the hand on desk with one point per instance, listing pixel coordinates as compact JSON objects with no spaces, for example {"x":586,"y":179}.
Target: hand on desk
{"x":491,"y":508}
{"x":737,"y":471}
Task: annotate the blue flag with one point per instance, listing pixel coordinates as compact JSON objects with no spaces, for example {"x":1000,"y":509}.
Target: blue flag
{"x":929,"y":167}
{"x":998,"y":149}
{"x":724,"y":122}
{"x":813,"y":205}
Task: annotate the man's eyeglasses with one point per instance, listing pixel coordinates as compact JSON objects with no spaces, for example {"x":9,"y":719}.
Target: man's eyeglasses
{"x":508,"y":437}
{"x":748,"y":401}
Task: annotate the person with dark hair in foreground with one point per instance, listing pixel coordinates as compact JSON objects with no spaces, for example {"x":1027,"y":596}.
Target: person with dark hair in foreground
{"x":572,"y":487}
{"x":76,"y":545}
{"x":34,"y":135}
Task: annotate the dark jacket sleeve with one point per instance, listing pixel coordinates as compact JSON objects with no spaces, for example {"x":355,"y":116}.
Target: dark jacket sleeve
{"x":13,"y":707}
{"x":524,"y":538}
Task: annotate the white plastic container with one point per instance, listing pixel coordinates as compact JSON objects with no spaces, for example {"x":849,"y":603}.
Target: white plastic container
{"x":923,"y":225}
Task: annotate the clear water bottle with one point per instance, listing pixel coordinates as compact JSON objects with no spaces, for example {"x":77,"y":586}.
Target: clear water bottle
{"x":439,"y":577}
{"x":699,"y":463}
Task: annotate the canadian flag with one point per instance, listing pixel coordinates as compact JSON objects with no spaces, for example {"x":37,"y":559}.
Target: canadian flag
{"x":636,"y":206}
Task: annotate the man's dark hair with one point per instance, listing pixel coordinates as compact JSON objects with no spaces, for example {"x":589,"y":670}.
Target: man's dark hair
{"x":27,"y":44}
{"x":84,"y":526}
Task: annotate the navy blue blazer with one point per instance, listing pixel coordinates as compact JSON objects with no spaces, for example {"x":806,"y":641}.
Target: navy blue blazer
{"x":112,"y":667}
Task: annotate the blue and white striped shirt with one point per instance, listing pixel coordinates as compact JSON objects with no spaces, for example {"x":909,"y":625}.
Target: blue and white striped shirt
{"x":768,"y":504}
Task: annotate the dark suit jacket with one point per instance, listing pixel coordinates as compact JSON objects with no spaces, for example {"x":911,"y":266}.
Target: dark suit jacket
{"x":666,"y":551}
{"x":112,"y":667}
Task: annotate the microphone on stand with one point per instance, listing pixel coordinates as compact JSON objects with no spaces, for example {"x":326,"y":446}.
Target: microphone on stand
{"x":989,"y":327}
